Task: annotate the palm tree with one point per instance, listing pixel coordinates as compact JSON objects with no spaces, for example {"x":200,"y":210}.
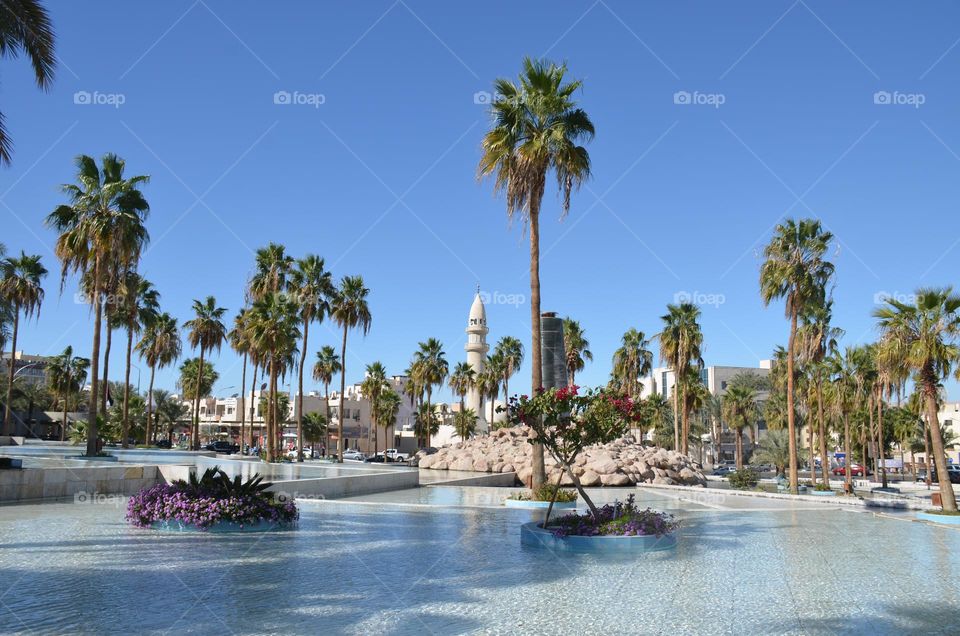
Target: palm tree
{"x":577,"y":348}
{"x":314,"y":427}
{"x":350,"y":310}
{"x":207,"y":332}
{"x":462,"y":380}
{"x":490,"y":382}
{"x":326,"y":366}
{"x":25,"y":28}
{"x":274,"y":331}
{"x":795,"y":269}
{"x":372,"y":386}
{"x":138,"y":307}
{"x":681,"y":342}
{"x":510,"y":350}
{"x":66,"y":374}
{"x":740,"y":411}
{"x":102,"y":226}
{"x":432,"y":369}
{"x":817,"y":341}
{"x":774,"y":449}
{"x":922,"y":337}
{"x":20,"y":287}
{"x":311,"y":285}
{"x":465,"y":423}
{"x":240,"y":343}
{"x":632,"y":361}
{"x":387,"y":407}
{"x":160,"y":347}
{"x":537,"y":129}
{"x":168,"y":410}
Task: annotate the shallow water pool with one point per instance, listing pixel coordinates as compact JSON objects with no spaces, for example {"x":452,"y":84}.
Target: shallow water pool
{"x":352,"y":568}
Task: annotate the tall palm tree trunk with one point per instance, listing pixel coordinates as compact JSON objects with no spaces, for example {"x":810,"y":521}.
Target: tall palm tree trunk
{"x":343,"y":387}
{"x":810,"y":441}
{"x":791,"y":423}
{"x":686,"y":422}
{"x":195,"y":442}
{"x":7,"y":428}
{"x":847,"y":453}
{"x":125,"y":425}
{"x":676,"y":410}
{"x":430,"y":416}
{"x":253,"y":389}
{"x":880,"y":445}
{"x":926,"y":451}
{"x":147,"y":433}
{"x":739,"y":449}
{"x":94,"y":362}
{"x":303,"y":360}
{"x":822,"y":433}
{"x":947,"y":497}
{"x":66,"y":400}
{"x":243,"y":392}
{"x":106,"y":369}
{"x":538,"y":476}
{"x":326,"y":429}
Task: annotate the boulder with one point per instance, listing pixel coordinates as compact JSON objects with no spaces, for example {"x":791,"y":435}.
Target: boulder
{"x":616,"y":479}
{"x":589,"y":478}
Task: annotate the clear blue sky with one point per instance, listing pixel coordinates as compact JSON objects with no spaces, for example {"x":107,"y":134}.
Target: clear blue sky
{"x":379,"y":178}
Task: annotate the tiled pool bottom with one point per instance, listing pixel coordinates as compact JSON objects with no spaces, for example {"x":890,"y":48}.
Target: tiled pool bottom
{"x":358,"y":569}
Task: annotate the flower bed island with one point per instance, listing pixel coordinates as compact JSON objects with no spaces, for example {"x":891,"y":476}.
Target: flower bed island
{"x":566,"y":422}
{"x":213,"y":502}
{"x":618,"y":527}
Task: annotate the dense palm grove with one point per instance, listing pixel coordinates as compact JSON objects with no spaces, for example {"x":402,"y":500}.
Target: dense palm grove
{"x":854,"y":398}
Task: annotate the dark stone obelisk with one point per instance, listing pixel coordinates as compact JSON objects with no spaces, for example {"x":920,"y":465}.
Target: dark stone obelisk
{"x":553,"y":356}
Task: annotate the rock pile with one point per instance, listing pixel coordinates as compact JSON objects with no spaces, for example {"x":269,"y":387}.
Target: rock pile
{"x":621,"y":463}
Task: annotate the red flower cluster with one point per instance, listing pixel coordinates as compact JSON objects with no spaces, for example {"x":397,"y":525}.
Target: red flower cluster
{"x":567,"y":392}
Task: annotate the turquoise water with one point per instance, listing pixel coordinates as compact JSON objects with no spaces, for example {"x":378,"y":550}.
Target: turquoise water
{"x":364,"y":567}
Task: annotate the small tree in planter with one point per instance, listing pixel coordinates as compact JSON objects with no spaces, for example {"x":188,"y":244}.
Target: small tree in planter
{"x":566,"y":422}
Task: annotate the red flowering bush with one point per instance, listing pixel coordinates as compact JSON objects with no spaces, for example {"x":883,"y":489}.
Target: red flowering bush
{"x":566,"y":421}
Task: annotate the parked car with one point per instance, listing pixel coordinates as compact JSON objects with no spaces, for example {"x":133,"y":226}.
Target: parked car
{"x":307,"y":453}
{"x":164,"y":443}
{"x":724,"y":469}
{"x":353,"y":455}
{"x":221,"y":446}
{"x":953,"y":472}
{"x":375,"y":459}
{"x":396,"y":456}
{"x":856,"y":470}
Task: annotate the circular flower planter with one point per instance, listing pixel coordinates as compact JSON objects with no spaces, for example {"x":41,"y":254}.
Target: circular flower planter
{"x":561,"y":506}
{"x":953,"y":520}
{"x":219,"y":527}
{"x":531,"y":534}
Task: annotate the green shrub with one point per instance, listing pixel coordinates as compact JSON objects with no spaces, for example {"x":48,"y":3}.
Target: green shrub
{"x":743,"y":479}
{"x":545,"y":493}
{"x":822,"y":487}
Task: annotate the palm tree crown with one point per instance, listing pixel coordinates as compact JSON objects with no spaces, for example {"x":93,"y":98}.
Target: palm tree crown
{"x":25,"y":27}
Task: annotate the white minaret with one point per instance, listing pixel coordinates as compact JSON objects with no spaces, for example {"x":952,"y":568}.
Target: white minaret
{"x":477,"y":349}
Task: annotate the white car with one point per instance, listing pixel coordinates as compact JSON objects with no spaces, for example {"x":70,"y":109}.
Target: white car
{"x":307,"y":453}
{"x":353,"y":455}
{"x":395,"y":456}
